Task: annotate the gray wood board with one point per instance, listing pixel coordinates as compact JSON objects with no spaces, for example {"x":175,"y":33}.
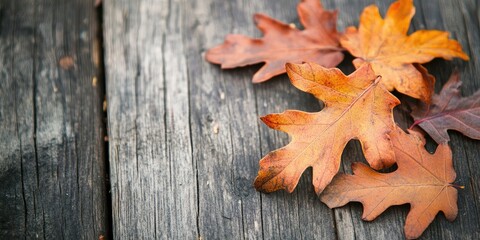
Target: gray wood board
{"x":185,"y":137}
{"x":52,"y":162}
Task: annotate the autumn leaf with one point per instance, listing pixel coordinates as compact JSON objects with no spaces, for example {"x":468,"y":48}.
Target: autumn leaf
{"x":449,"y":110}
{"x":384,"y":44}
{"x":283,"y":43}
{"x":422,"y":179}
{"x":356,"y":107}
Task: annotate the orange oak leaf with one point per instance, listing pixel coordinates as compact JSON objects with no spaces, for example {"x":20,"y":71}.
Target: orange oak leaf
{"x":422,"y":179}
{"x":384,"y":44}
{"x":356,"y":107}
{"x":449,"y":110}
{"x":283,"y":43}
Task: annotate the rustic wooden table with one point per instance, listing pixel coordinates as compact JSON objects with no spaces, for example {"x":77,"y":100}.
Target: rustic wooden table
{"x":184,"y":137}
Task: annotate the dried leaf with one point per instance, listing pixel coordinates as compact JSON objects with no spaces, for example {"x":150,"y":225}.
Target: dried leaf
{"x":384,"y":43}
{"x":283,"y":43}
{"x":449,"y":111}
{"x":422,"y":179}
{"x":356,"y":107}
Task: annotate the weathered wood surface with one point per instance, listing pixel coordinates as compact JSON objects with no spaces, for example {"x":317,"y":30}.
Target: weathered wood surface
{"x":461,"y":19}
{"x":52,"y":154}
{"x":185,"y":138}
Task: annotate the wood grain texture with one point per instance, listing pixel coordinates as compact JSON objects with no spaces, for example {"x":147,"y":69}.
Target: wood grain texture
{"x":52,"y":162}
{"x":462,"y":21}
{"x":185,"y":138}
{"x":153,"y":175}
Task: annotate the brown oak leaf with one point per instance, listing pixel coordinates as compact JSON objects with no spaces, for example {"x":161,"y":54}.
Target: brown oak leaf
{"x":356,"y":107}
{"x":422,"y":179}
{"x":449,"y":110}
{"x":384,"y":44}
{"x":283,"y":43}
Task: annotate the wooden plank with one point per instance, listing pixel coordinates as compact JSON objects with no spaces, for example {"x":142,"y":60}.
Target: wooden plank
{"x":461,"y":20}
{"x":153,"y":176}
{"x":52,"y":166}
{"x":243,"y":139}
{"x":185,"y":138}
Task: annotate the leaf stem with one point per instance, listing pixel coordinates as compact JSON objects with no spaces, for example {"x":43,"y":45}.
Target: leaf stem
{"x":457,"y":186}
{"x":416,"y":123}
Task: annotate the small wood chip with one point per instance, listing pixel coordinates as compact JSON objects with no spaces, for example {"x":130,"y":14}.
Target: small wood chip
{"x":66,"y":62}
{"x":216,"y":128}
{"x":105,"y":105}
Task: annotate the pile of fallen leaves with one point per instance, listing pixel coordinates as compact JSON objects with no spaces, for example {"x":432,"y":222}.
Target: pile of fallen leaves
{"x":360,"y":106}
